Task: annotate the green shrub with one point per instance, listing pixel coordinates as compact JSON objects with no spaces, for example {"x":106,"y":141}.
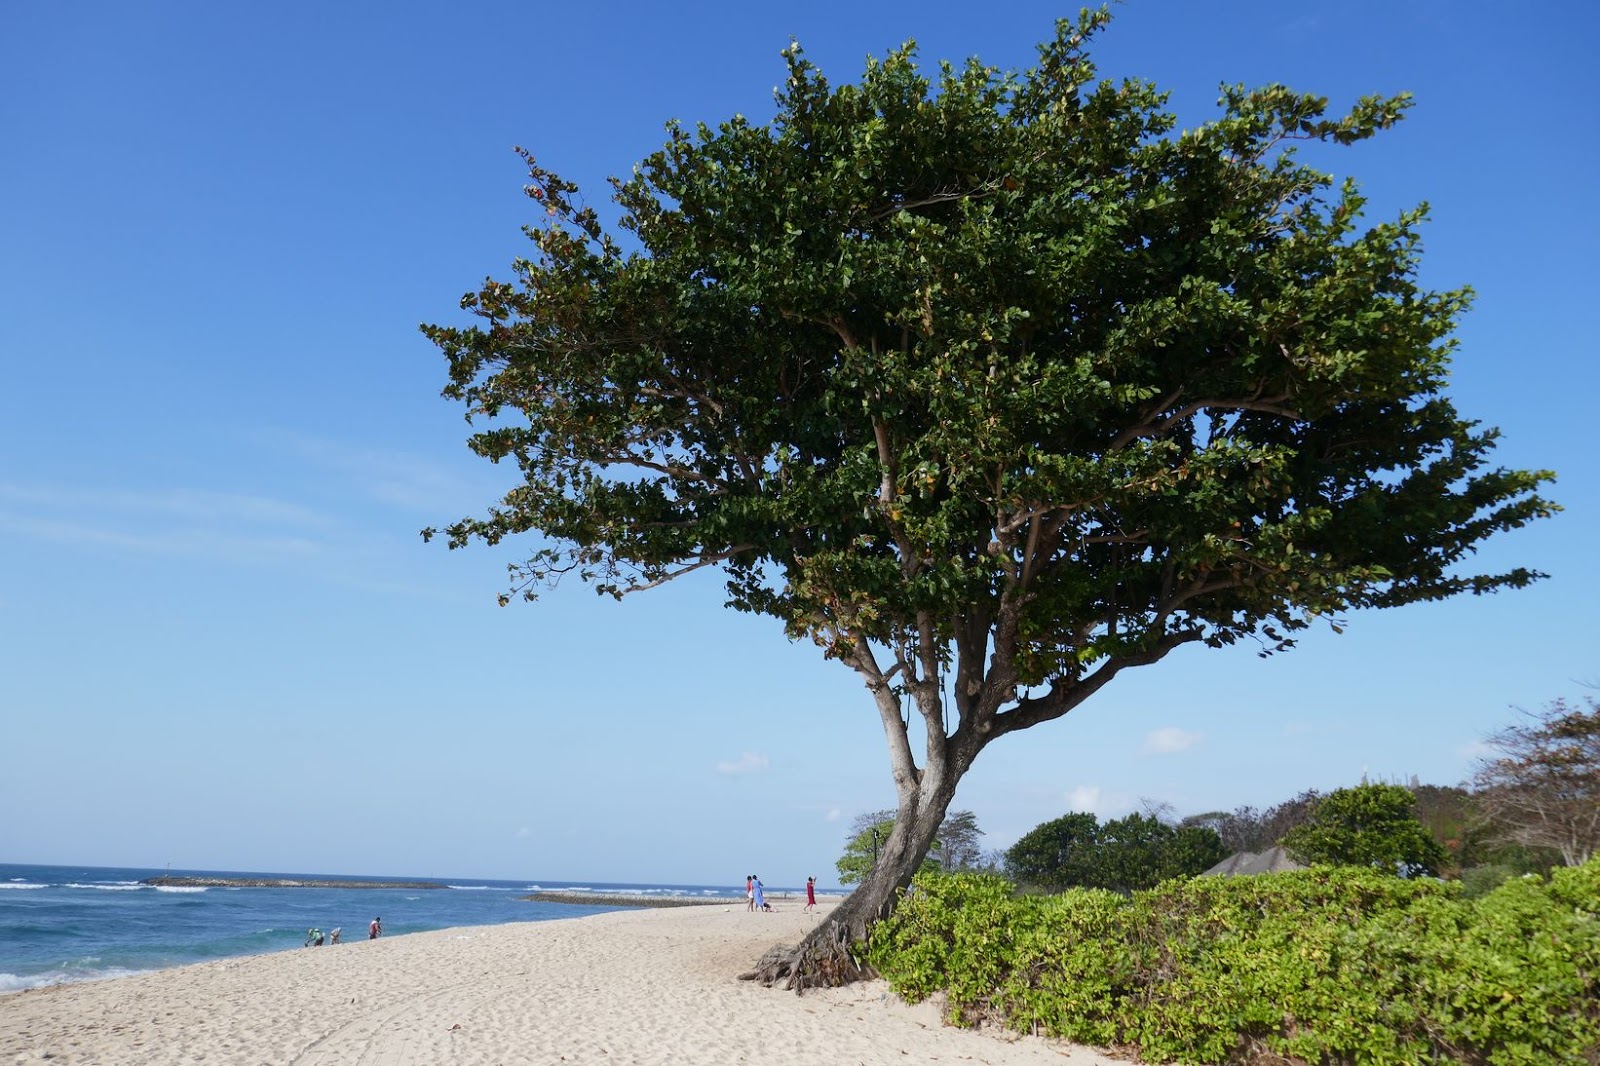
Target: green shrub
{"x":1479,"y":881}
{"x":1073,"y":967}
{"x":1316,"y":966}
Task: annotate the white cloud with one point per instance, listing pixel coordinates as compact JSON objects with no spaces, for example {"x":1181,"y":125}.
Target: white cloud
{"x":1169,"y":739}
{"x":748,"y":762}
{"x":1085,"y":799}
{"x":833,"y":815}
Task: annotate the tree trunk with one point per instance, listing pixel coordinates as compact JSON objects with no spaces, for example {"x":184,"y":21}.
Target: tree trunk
{"x":834,"y":953}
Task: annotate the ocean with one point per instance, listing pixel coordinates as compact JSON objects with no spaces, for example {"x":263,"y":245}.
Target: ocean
{"x":77,"y":923}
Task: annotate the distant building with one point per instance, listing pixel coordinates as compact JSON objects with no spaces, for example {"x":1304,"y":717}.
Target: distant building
{"x":1271,"y":861}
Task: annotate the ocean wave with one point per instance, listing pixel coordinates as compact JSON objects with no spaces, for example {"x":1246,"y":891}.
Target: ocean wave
{"x":106,"y":886}
{"x":481,"y":888}
{"x":180,"y":888}
{"x":10,"y":982}
{"x":20,"y":884}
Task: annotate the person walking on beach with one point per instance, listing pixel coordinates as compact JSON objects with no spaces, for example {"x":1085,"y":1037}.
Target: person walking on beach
{"x":811,"y":894}
{"x":758,"y":898}
{"x":375,"y":929}
{"x":749,"y":892}
{"x":333,"y":937}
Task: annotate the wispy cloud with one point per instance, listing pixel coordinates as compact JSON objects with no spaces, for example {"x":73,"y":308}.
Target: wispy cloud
{"x":233,"y":526}
{"x":397,"y":478}
{"x":1169,"y":740}
{"x":124,"y":534}
{"x":170,"y":505}
{"x":748,"y":762}
{"x":833,"y":815}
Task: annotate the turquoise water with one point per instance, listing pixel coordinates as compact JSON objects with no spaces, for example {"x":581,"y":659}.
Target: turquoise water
{"x":73,"y":923}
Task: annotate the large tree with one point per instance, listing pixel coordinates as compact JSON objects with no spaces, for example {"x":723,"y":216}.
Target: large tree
{"x":994,"y":385}
{"x":1541,"y":787}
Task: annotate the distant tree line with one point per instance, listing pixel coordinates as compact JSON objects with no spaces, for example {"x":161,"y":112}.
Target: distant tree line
{"x":1534,"y":804}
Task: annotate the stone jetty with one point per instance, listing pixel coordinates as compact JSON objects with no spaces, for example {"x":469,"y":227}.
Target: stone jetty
{"x":278,"y":882}
{"x":619,"y":899}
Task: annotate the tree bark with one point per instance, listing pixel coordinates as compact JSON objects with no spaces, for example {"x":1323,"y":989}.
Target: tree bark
{"x":834,"y":953}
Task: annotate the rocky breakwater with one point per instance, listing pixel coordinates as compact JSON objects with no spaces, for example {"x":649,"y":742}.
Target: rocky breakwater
{"x":278,"y":882}
{"x":619,"y":899}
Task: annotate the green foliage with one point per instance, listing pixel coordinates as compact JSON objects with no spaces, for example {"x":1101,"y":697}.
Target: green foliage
{"x":1479,"y":881}
{"x":1370,"y":825}
{"x":1057,"y":853}
{"x":952,"y":933}
{"x":955,"y":847}
{"x":923,"y":353}
{"x":861,"y":853}
{"x":1138,"y":851}
{"x":1328,"y":965}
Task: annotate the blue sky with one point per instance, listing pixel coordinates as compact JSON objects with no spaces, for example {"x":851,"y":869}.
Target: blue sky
{"x":223,"y":644}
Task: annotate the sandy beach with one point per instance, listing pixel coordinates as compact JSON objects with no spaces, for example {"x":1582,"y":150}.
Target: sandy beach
{"x":629,"y":987}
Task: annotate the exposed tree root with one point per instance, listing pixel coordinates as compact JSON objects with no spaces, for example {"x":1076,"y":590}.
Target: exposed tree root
{"x":827,"y":958}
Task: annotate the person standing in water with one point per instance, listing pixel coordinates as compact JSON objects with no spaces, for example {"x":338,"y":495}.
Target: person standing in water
{"x":375,"y":929}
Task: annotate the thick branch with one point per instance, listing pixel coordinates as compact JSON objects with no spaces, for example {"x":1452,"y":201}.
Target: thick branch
{"x":1273,"y":406}
{"x":1064,"y":697}
{"x":902,"y":763}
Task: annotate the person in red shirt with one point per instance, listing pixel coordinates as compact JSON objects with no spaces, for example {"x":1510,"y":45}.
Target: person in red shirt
{"x":811,"y":894}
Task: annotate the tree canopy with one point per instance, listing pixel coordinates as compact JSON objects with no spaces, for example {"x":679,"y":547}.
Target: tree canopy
{"x":994,"y":384}
{"x":1369,"y":825}
{"x":1138,"y":851}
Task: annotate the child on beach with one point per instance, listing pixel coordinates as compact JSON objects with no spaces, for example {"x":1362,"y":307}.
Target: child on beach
{"x":750,"y":892}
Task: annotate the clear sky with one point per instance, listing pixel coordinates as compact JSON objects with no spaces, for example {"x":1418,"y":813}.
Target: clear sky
{"x":223,"y":644}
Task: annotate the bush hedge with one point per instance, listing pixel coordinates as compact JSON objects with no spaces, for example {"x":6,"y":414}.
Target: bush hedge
{"x":1320,"y":966}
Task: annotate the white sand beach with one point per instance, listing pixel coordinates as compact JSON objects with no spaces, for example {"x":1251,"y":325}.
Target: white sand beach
{"x":629,"y":987}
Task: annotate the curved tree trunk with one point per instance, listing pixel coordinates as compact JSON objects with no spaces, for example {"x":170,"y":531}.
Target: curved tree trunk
{"x":834,"y":953}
